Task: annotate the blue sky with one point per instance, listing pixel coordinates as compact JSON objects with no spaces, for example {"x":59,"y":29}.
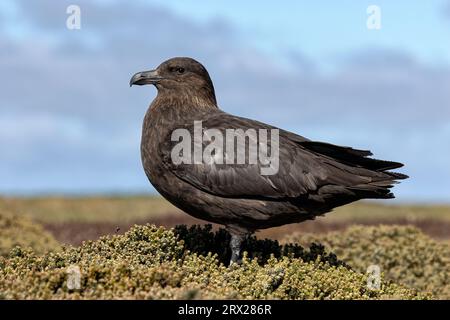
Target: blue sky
{"x":327,"y":30}
{"x":70,"y":124}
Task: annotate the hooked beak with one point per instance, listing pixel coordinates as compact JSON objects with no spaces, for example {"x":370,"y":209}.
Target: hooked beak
{"x":145,"y":77}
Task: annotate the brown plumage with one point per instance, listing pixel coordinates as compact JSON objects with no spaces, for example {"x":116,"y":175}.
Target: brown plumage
{"x":313,"y":177}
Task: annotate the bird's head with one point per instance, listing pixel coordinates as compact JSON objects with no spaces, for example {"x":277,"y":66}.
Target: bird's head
{"x":178,"y":76}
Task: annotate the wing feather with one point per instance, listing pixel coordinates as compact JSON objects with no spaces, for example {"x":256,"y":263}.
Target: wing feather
{"x":304,"y":166}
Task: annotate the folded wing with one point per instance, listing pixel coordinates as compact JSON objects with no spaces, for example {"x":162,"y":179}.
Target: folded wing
{"x":305,"y":168}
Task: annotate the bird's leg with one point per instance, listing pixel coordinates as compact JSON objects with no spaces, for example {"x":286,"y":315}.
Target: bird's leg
{"x":235,"y":245}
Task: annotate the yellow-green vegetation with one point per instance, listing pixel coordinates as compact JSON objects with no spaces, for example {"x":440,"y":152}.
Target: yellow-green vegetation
{"x":88,"y":209}
{"x":370,"y":211}
{"x":21,"y":231}
{"x":153,"y":263}
{"x":404,"y":254}
{"x":134,"y":208}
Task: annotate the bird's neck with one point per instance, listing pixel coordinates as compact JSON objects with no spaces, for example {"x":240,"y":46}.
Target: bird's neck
{"x":200,"y":100}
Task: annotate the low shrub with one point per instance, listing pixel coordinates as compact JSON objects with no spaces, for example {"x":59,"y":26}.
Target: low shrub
{"x":21,"y":231}
{"x":148,"y":262}
{"x":404,"y":254}
{"x":202,"y":240}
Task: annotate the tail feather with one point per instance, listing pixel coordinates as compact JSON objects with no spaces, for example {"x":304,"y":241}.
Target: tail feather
{"x":382,"y":179}
{"x":373,"y":191}
{"x":353,"y":157}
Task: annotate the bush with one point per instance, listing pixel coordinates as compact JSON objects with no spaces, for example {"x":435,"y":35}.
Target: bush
{"x":152,"y":263}
{"x":21,"y":231}
{"x":404,"y":254}
{"x":202,"y":240}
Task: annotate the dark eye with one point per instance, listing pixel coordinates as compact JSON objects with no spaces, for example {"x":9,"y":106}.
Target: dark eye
{"x":177,"y":69}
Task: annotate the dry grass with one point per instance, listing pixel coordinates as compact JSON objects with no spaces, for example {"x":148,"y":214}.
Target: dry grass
{"x":88,"y":209}
{"x":119,"y":209}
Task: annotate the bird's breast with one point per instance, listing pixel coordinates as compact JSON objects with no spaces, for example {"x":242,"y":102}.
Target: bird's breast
{"x":157,"y":128}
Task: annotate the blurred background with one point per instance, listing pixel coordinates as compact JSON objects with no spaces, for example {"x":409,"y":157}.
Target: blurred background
{"x":69,"y":123}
